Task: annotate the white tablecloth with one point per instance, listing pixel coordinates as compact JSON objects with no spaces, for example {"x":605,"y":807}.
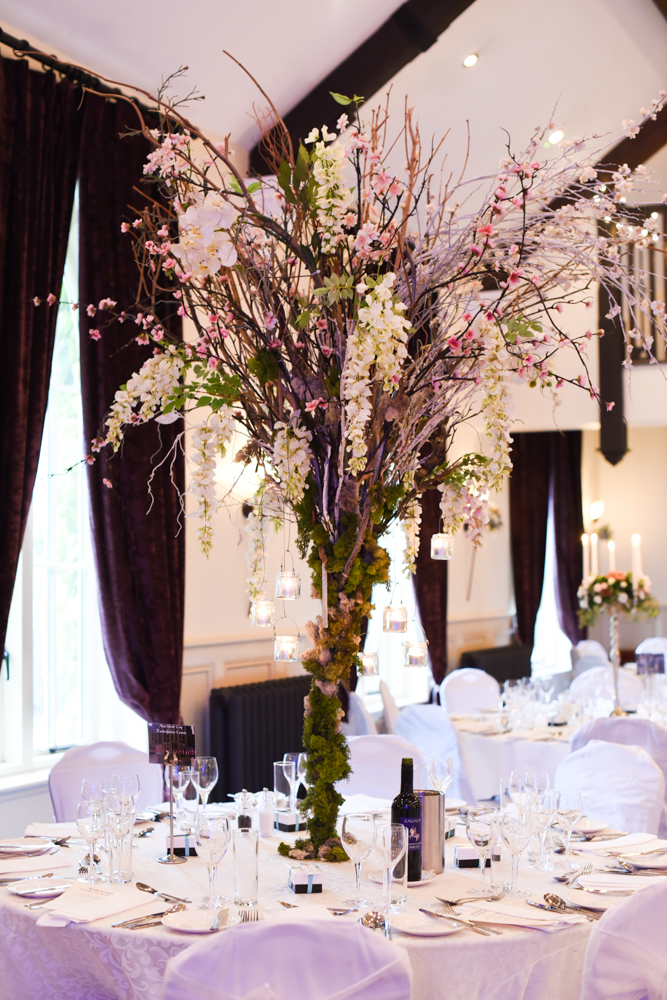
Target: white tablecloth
{"x":489,"y":758}
{"x":97,"y":962}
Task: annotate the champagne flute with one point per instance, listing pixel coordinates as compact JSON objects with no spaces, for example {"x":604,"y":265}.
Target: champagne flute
{"x":290,"y":761}
{"x":390,"y":845}
{"x":213,"y":836}
{"x":441,"y":773}
{"x":357,"y":836}
{"x":515,"y":829}
{"x":542,"y":810}
{"x":481,"y":831}
{"x":205,"y":777}
{"x":569,"y":808}
{"x":90,"y":824}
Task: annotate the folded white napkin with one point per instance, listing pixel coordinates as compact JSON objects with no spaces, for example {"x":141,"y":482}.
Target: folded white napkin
{"x":518,"y":915}
{"x":58,"y":830}
{"x":631,"y":840}
{"x":306,"y":911}
{"x":84,"y":902}
{"x":42,"y":863}
{"x":625,"y":883}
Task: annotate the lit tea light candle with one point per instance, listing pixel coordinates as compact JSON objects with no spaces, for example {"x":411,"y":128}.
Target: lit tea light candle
{"x":585,"y":544}
{"x":611,"y":546}
{"x":416,"y":654}
{"x":288,"y":586}
{"x":263,"y":613}
{"x":441,"y":546}
{"x":594,"y":555}
{"x":395,"y":619}
{"x":285,"y":647}
{"x":370,"y":664}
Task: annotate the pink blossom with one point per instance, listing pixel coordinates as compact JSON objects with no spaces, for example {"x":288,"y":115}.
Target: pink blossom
{"x":142,"y":338}
{"x":158,"y":333}
{"x":381,"y":182}
{"x":276,"y":342}
{"x":137,"y":222}
{"x":454,"y":343}
{"x":169,"y":264}
{"x":124,"y":227}
{"x":559,"y":307}
{"x":91,"y":310}
{"x":36,"y":301}
{"x":485,"y":230}
{"x":163,"y":232}
{"x":213,"y":363}
{"x":107,"y":304}
{"x":610,"y":406}
{"x":108,"y":484}
{"x":395,"y":189}
{"x":349,"y":220}
{"x":90,"y":459}
{"x":182,"y":311}
{"x":514,"y":278}
{"x":475,"y":249}
{"x":178,"y":294}
{"x":313,"y":404}
{"x":50,"y":298}
{"x":270,"y":321}
{"x":95,"y":334}
{"x":299,"y":343}
{"x":327,"y":351}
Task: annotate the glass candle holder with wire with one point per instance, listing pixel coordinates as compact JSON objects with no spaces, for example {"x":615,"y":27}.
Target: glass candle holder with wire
{"x":286,"y":647}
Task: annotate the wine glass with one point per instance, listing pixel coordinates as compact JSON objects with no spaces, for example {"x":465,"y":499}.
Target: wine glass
{"x":515,"y":829}
{"x":357,"y":836}
{"x":542,"y":810}
{"x":390,"y":845}
{"x":301,"y":769}
{"x":290,"y":762}
{"x":205,"y":777}
{"x":93,"y":789}
{"x":188,"y":800}
{"x":518,"y":792}
{"x":213,"y":836}
{"x":90,"y":824}
{"x":441,"y":773}
{"x":537,"y":781}
{"x":128,"y":784}
{"x":569,"y":808}
{"x":481,"y":831}
{"x":119,"y":808}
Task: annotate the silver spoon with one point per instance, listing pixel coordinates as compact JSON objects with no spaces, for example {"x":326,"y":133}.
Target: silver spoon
{"x":553,"y":900}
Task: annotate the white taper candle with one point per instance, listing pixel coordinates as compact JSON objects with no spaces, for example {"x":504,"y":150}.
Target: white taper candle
{"x":594,"y":555}
{"x":587,"y":556}
{"x":611,"y":545}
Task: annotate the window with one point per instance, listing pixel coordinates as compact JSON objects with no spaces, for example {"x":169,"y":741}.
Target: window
{"x":551,"y":649}
{"x":649,"y":262}
{"x":59,"y":691}
{"x":407,"y":684}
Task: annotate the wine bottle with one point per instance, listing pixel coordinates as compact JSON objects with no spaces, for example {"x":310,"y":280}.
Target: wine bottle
{"x":406,"y":809}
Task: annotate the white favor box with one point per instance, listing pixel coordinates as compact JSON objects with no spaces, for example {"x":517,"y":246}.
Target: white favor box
{"x":304,"y":878}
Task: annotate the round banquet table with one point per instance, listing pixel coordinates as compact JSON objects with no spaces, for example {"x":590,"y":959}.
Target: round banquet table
{"x":490,"y":756}
{"x":97,"y":962}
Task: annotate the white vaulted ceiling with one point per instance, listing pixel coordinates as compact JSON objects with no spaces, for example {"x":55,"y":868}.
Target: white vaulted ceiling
{"x":598,"y":61}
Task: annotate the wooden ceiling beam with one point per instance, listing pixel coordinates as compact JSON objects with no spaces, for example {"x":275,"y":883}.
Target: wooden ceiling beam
{"x":412,"y":29}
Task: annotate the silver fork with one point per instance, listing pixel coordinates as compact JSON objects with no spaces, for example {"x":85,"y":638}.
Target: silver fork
{"x":249,"y":916}
{"x":449,"y":912}
{"x":473,"y":899}
{"x":586,"y":870}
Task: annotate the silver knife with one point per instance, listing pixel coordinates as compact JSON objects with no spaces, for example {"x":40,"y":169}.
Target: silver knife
{"x":139,"y":920}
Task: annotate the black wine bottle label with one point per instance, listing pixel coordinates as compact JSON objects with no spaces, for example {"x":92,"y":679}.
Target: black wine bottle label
{"x":406,"y":809}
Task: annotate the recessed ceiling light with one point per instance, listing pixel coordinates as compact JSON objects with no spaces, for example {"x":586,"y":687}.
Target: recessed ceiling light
{"x":470,"y":60}
{"x":556,"y":137}
{"x":654,"y":215}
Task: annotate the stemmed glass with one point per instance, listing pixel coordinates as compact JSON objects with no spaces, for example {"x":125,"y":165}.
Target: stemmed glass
{"x":120,"y":819}
{"x":93,"y":789}
{"x":481,"y":831}
{"x":213,"y":835}
{"x":128,"y":784}
{"x":569,"y":808}
{"x":205,"y":777}
{"x":290,"y":764}
{"x":515,"y":829}
{"x":90,"y":824}
{"x":357,"y":836}
{"x":391,"y":845}
{"x":542,"y":810}
{"x":518,"y":792}
{"x":441,"y":773}
{"x":301,"y":769}
{"x":188,"y":799}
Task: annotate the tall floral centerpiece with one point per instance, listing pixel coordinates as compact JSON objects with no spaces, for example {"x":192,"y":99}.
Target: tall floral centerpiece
{"x":348,"y":314}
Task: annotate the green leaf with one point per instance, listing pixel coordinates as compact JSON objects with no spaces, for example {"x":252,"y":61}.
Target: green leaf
{"x":254,"y":187}
{"x":204,"y":401}
{"x":264,"y":367}
{"x":301,"y":168}
{"x":303,"y":319}
{"x":285,"y":181}
{"x":341,"y":98}
{"x":234,"y":185}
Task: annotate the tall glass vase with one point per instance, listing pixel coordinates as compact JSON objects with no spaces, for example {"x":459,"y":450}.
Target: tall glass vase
{"x":615,"y":657}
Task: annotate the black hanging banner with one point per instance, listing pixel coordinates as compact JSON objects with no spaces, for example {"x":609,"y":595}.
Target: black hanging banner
{"x":170,"y":744}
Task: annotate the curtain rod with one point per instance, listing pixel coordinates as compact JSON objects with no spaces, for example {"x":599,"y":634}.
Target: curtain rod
{"x":23,"y":48}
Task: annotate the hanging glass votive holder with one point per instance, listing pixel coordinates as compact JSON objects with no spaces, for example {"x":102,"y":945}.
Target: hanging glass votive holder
{"x":416,"y":653}
{"x":263,"y":613}
{"x":370,"y":664}
{"x":395,"y":619}
{"x":288,"y":585}
{"x":286,"y":647}
{"x":441,"y":546}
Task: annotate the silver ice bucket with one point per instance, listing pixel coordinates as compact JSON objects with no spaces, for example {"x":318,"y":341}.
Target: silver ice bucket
{"x":433,"y":829}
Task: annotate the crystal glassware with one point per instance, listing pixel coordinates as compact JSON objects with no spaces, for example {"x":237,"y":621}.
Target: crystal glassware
{"x":390,"y":846}
{"x":205,"y":777}
{"x":357,"y":836}
{"x":213,"y":834}
{"x":188,"y":800}
{"x":515,"y":830}
{"x":481,"y":832}
{"x":518,"y":792}
{"x":290,"y":762}
{"x":128,"y":784}
{"x":93,"y":789}
{"x":246,"y":866}
{"x":542,"y":811}
{"x":90,"y":824}
{"x":441,"y":773}
{"x":568,"y":810}
{"x":120,"y":820}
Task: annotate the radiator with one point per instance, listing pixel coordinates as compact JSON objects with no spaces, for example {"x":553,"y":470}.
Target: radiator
{"x":251,"y":726}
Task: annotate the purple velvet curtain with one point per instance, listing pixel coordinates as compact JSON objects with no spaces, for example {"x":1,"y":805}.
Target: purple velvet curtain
{"x":431,"y":587}
{"x":529,"y":510}
{"x":568,"y":528}
{"x":139,"y":552}
{"x":40,"y":130}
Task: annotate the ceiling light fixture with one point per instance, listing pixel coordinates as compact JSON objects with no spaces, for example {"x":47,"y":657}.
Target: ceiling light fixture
{"x":470,"y":60}
{"x":556,"y":137}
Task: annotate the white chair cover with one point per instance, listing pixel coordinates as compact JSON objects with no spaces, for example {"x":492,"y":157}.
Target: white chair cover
{"x":431,"y":730}
{"x":376,"y":766}
{"x":587,"y":654}
{"x":599,"y":682}
{"x":360,"y":722}
{"x":101,"y":760}
{"x":626,"y":957}
{"x":308,"y":960}
{"x":391,"y":709}
{"x":469,"y":690}
{"x":629,"y":732}
{"x":619,"y":784}
{"x":656,"y":645}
